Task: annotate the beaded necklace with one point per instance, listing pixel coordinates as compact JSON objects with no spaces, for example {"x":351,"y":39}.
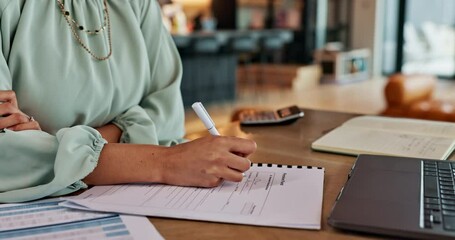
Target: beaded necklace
{"x":74,"y":26}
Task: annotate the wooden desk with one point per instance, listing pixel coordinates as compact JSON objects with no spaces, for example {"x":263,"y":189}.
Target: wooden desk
{"x":289,"y":144}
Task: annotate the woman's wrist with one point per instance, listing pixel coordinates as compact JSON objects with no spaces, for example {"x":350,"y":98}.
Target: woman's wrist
{"x":110,"y":132}
{"x":129,"y":163}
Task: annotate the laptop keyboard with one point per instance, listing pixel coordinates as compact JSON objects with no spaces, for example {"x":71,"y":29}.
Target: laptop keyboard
{"x":438,"y":195}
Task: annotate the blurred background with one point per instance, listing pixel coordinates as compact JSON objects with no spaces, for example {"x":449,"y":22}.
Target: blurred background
{"x":322,"y":54}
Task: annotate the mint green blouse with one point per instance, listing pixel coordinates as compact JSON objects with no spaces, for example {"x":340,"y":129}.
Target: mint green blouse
{"x":70,"y":93}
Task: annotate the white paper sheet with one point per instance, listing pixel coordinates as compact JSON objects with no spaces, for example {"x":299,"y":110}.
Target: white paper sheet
{"x":268,"y":195}
{"x":48,"y":220}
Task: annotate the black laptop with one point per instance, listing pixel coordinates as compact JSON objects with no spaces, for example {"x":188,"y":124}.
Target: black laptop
{"x":397,"y":196}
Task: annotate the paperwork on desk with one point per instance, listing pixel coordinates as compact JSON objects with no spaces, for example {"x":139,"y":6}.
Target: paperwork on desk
{"x":269,"y":195}
{"x":48,"y":220}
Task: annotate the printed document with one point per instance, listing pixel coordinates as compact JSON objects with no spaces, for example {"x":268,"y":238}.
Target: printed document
{"x":269,"y":195}
{"x":48,"y":220}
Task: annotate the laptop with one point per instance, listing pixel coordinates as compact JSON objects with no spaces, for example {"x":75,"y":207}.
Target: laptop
{"x":398,"y":196}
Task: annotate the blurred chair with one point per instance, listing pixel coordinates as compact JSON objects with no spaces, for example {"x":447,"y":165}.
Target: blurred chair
{"x":206,"y":45}
{"x":271,"y":46}
{"x":411,"y":96}
{"x":205,"y":75}
{"x":244,"y":46}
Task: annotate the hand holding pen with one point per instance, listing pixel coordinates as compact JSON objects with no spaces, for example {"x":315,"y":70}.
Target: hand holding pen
{"x":206,"y":161}
{"x":204,"y":116}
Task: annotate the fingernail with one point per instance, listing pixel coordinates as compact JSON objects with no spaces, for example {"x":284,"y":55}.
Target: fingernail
{"x":243,"y":174}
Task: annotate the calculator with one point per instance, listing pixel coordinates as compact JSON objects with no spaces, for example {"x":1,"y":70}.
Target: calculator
{"x":270,"y":117}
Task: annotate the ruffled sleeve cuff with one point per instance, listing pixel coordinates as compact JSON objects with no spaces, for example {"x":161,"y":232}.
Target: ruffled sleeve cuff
{"x":82,"y":141}
{"x":136,"y":126}
{"x":46,"y":165}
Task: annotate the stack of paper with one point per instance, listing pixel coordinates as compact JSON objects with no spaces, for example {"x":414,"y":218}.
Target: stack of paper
{"x":269,"y":195}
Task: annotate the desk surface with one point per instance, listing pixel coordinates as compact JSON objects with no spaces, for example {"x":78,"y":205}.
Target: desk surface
{"x":289,"y":144}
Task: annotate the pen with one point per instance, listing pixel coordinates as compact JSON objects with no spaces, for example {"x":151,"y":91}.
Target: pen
{"x":205,"y":118}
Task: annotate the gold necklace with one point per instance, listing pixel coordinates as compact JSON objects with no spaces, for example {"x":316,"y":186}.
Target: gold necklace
{"x":74,"y":26}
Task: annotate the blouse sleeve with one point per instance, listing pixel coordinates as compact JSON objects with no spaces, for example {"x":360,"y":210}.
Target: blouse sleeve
{"x":35,"y":164}
{"x":159,"y":118}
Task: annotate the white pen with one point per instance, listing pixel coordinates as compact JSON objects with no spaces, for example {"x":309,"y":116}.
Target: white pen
{"x":205,"y":118}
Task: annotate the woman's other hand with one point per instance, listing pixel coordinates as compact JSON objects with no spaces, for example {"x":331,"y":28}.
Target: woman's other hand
{"x":11,"y":117}
{"x":207,"y":161}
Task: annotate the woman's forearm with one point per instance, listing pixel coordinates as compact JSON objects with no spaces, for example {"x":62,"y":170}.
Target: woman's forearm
{"x":128,"y":163}
{"x":202,"y":162}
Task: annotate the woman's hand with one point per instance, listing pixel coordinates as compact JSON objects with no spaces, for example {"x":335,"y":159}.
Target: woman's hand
{"x":207,"y":161}
{"x":11,"y":117}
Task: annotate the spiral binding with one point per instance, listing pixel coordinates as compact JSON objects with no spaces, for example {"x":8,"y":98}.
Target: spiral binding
{"x":284,"y":166}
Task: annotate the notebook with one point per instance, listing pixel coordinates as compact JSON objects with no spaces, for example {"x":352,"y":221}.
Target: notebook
{"x":390,"y":136}
{"x":398,"y":196}
{"x":268,"y":195}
